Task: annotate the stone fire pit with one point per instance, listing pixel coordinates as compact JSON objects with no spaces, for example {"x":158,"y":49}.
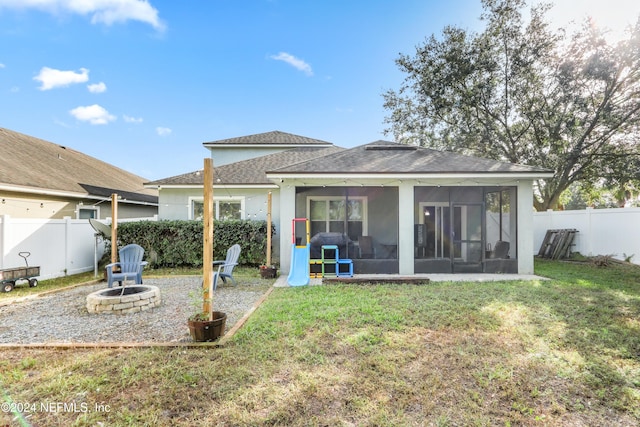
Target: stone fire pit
{"x":131,"y":299}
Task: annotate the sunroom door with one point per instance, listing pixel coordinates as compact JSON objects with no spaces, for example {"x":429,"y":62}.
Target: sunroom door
{"x":467,"y":238}
{"x":436,"y":218}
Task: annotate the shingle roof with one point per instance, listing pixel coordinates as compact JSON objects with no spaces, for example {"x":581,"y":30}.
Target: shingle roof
{"x":269,"y":138}
{"x":383,"y":157}
{"x":251,"y":171}
{"x":27,"y":161}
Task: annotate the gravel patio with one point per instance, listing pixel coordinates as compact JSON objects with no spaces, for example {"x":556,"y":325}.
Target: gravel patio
{"x":62,"y":317}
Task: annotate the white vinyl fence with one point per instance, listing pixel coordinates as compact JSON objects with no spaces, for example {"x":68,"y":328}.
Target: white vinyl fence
{"x":58,"y":246}
{"x":600,"y":231}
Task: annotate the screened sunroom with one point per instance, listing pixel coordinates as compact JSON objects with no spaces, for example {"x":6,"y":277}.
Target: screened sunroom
{"x":412,"y":210}
{"x":465,"y":230}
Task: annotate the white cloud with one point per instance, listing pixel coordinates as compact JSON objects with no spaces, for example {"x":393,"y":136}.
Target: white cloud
{"x":94,"y":114}
{"x":97,"y":87}
{"x":297,"y":63}
{"x":129,"y":119}
{"x":61,"y":123}
{"x":107,"y":12}
{"x":163,"y":131}
{"x":52,"y":78}
{"x":1,"y":65}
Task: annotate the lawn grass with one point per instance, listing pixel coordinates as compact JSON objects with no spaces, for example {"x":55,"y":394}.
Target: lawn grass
{"x":22,"y":289}
{"x":564,"y":351}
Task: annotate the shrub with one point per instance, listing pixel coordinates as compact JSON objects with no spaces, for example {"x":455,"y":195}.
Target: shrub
{"x":178,"y":243}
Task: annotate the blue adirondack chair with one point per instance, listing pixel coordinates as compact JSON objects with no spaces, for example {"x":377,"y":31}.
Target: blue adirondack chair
{"x":130,"y":264}
{"x":225,"y":267}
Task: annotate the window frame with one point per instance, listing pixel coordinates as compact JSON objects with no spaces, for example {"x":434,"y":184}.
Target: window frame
{"x":328,"y":199}
{"x":216,"y":201}
{"x":95,"y":209}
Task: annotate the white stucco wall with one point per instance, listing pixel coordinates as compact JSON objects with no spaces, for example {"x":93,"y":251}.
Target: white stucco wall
{"x":525,"y":227}
{"x":287,"y":212}
{"x":226,"y":155}
{"x":405,"y":229}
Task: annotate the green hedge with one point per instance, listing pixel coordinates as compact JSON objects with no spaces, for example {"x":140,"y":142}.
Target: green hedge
{"x":179,"y":243}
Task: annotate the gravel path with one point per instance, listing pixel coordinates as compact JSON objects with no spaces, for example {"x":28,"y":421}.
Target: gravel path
{"x":62,"y":317}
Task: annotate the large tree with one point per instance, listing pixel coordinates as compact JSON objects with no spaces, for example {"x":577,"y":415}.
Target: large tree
{"x":524,"y":93}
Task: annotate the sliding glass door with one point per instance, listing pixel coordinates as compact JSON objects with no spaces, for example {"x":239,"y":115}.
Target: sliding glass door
{"x":434,"y":234}
{"x":467,"y":238}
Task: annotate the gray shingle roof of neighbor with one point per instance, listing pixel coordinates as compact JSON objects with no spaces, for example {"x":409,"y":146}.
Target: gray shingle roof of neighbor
{"x":384,"y":157}
{"x":26,"y":161}
{"x":269,"y":138}
{"x":251,"y":171}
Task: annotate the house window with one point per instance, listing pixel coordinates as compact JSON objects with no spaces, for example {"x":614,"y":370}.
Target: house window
{"x":87,"y":213}
{"x":223,"y":209}
{"x":338,"y":214}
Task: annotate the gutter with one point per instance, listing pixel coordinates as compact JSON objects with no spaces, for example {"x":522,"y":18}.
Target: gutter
{"x":417,"y":176}
{"x":42,"y":191}
{"x":199,"y":186}
{"x":69,"y":194}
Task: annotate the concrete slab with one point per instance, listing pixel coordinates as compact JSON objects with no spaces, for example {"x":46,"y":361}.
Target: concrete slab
{"x":482,"y":277}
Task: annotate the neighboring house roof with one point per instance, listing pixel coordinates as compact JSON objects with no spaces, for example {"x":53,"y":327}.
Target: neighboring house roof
{"x":33,"y":165}
{"x":384,"y":157}
{"x":271,"y":139}
{"x":251,"y":171}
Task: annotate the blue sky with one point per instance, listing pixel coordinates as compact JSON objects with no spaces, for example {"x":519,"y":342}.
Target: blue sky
{"x":142,"y":84}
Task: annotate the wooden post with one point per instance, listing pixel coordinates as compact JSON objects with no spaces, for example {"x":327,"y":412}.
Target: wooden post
{"x":114,"y":228}
{"x":207,"y":247}
{"x":268,"y":230}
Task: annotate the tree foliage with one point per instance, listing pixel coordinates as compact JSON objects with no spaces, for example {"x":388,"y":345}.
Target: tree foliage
{"x":600,"y":195}
{"x":521,"y":92}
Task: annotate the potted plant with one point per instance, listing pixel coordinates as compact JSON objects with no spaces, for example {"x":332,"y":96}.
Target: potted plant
{"x":206,"y":326}
{"x":268,"y":271}
{"x":204,"y":330}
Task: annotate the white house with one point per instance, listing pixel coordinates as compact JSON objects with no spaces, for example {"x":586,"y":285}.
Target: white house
{"x":423,"y":211}
{"x":240,"y":182}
